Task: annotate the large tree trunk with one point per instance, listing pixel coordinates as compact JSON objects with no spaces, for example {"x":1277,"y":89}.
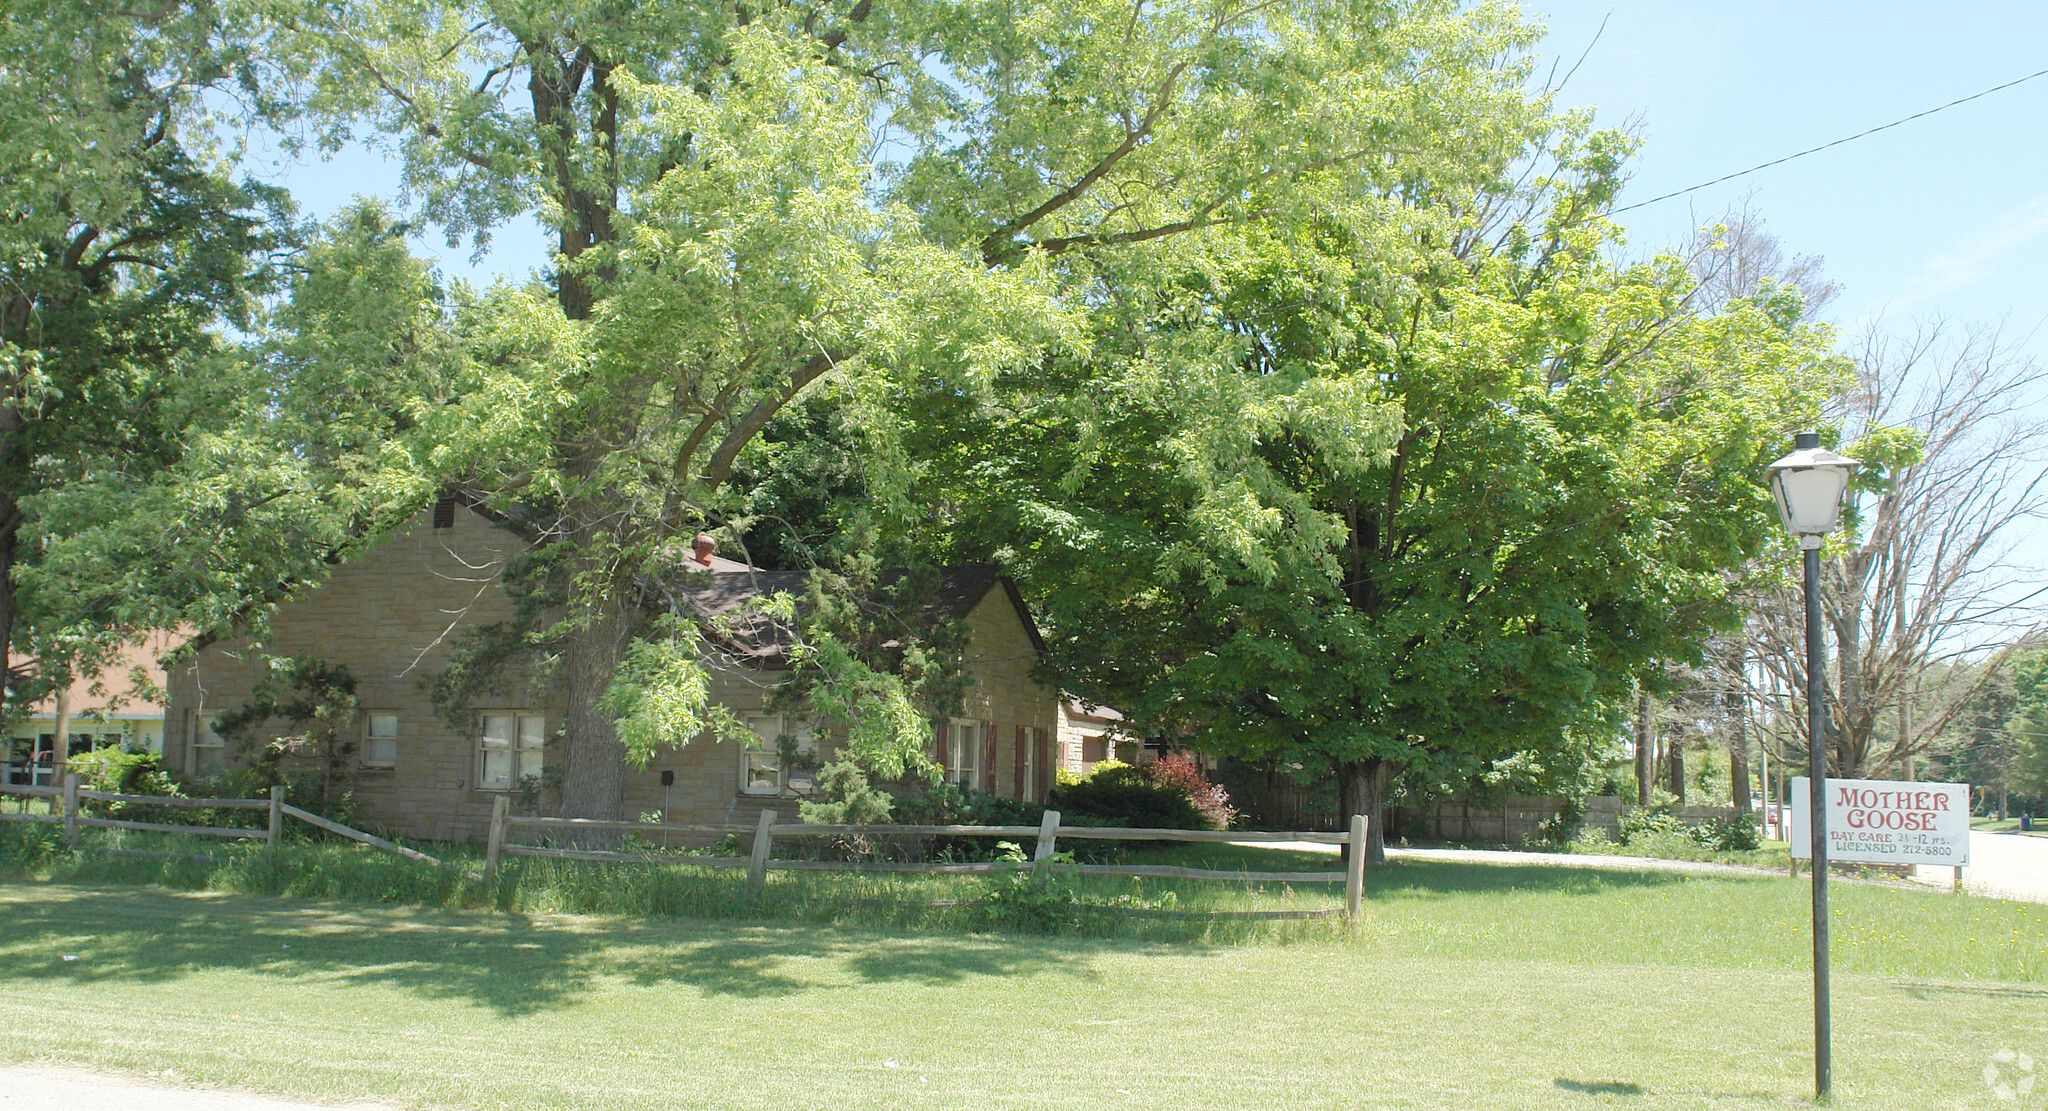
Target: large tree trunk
{"x":1362,"y":789}
{"x":1738,"y":748}
{"x":1646,"y":768}
{"x":1676,"y":758}
{"x":7,"y":534}
{"x":593,"y":760}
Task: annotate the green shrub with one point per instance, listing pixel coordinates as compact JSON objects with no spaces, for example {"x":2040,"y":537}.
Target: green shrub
{"x":111,"y":769}
{"x":1178,"y":772}
{"x":29,"y":845}
{"x":1734,"y":833}
{"x":1592,"y":841}
{"x":845,"y":798}
{"x":1021,"y":901}
{"x":1643,"y":821}
{"x":947,"y":805}
{"x":1121,"y":795}
{"x":1563,"y":827}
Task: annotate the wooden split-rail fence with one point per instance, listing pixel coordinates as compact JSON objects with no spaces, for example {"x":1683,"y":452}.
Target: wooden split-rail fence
{"x":761,"y":859}
{"x":66,"y":809}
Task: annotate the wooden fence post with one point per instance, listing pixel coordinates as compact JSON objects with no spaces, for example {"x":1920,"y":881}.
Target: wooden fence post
{"x":71,"y":810}
{"x":495,"y":847}
{"x":757,"y":866}
{"x":276,"y":815}
{"x":1041,"y":858}
{"x":1354,"y":870}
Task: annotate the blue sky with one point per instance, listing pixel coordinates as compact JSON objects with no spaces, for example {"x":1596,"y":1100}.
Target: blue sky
{"x":1945,"y":215}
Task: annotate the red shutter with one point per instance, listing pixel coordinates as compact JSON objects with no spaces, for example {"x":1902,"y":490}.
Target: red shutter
{"x":988,"y":755}
{"x":1020,"y":788}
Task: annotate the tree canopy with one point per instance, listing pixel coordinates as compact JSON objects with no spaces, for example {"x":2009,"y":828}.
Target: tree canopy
{"x":1277,"y":344}
{"x":127,"y":247}
{"x":1419,"y":494}
{"x":889,"y":201}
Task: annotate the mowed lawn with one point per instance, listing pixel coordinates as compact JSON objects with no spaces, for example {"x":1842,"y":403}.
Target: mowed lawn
{"x":1471,"y":986}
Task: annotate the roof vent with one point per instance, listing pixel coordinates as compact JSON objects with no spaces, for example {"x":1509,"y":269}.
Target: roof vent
{"x":444,"y":513}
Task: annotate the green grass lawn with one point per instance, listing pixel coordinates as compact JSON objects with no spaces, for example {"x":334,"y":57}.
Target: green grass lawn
{"x":2010,"y":825}
{"x":1470,"y":986}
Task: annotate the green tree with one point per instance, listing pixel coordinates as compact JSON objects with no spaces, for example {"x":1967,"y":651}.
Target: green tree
{"x":1419,"y":493}
{"x":890,"y":200}
{"x":309,"y":438}
{"x":2027,"y":730}
{"x":316,"y":703}
{"x":124,"y":249}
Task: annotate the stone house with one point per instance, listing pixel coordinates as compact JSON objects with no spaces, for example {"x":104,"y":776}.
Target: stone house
{"x":392,"y":615}
{"x":1090,"y":734}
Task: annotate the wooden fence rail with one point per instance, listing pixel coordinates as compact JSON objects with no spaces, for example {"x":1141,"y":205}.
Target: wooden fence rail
{"x":761,"y":859}
{"x":66,"y":800}
{"x":24,"y":792}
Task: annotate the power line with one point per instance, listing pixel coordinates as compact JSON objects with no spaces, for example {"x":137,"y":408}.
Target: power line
{"x":1836,"y":143}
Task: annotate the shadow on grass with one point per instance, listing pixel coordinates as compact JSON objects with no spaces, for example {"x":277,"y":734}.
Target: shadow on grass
{"x":1924,"y":991}
{"x":1448,"y":878}
{"x":515,"y":964}
{"x":1599,"y":1088}
{"x":1424,"y":877}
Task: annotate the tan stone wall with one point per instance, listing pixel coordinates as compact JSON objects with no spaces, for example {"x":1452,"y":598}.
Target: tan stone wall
{"x":1000,"y":655}
{"x":392,"y":615}
{"x":709,"y":772}
{"x":1075,"y":732}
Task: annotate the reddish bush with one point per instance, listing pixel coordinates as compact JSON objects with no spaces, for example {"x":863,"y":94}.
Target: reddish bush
{"x":1180,"y":773}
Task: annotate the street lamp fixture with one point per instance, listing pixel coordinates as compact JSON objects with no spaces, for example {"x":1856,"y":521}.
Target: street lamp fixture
{"x":1808,"y":485}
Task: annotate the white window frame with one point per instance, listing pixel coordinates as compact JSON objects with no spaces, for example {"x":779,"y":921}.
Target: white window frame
{"x":1034,"y":739}
{"x":200,"y":738}
{"x":761,"y":770}
{"x":963,"y":753}
{"x":366,"y":752}
{"x":508,"y":757}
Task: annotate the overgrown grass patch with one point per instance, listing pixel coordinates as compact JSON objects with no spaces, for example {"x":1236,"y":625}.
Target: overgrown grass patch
{"x":342,"y":871}
{"x":1414,"y":907}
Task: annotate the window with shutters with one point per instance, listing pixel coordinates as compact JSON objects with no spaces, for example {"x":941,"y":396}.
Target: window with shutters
{"x":963,"y":752}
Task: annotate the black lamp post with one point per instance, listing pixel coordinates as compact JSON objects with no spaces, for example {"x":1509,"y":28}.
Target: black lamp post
{"x":1808,"y":485}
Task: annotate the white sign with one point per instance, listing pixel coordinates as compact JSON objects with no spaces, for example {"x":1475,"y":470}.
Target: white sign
{"x":1874,"y":821}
